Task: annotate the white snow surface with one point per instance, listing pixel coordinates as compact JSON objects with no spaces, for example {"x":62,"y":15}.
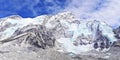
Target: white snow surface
{"x":65,"y":19}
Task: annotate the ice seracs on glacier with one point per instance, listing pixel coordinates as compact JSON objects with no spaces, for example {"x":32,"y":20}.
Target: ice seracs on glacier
{"x":72,"y":35}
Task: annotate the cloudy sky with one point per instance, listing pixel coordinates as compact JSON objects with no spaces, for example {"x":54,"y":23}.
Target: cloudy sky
{"x":103,"y":10}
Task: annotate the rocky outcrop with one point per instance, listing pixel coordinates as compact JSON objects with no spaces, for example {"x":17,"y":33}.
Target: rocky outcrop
{"x":34,"y":35}
{"x":117,"y":32}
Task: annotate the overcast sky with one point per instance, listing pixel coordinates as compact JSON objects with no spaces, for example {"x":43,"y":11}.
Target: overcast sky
{"x":103,"y":10}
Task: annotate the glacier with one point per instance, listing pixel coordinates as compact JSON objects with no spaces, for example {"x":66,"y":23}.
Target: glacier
{"x":81,"y":35}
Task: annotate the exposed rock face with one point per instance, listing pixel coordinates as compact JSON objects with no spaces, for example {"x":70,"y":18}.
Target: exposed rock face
{"x":117,"y":32}
{"x":35,"y":35}
{"x":117,"y":35}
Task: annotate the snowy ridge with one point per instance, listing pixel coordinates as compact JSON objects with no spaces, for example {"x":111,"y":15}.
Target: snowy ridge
{"x":72,"y":35}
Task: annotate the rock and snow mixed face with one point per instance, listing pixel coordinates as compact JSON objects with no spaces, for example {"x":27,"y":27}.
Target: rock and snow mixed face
{"x":87,"y":36}
{"x":117,"y":32}
{"x":72,"y":35}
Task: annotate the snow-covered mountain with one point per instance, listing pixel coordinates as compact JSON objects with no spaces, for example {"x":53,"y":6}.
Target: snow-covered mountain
{"x":62,"y":31}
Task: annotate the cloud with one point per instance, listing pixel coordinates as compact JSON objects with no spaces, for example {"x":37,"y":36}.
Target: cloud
{"x":27,"y":8}
{"x":47,"y":6}
{"x":103,"y":10}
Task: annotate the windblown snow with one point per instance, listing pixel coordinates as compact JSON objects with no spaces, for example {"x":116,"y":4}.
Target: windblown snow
{"x":75,"y":36}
